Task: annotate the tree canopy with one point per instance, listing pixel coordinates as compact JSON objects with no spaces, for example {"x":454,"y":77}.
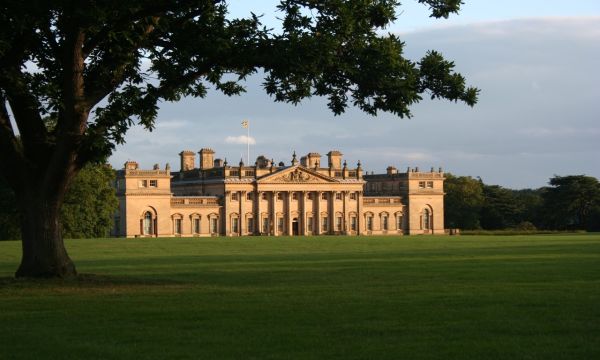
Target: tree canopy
{"x":97,"y":68}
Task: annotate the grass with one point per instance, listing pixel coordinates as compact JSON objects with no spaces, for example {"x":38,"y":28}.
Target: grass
{"x":475,"y":297}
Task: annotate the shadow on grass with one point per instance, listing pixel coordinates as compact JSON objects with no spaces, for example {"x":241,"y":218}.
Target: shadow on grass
{"x":84,"y":282}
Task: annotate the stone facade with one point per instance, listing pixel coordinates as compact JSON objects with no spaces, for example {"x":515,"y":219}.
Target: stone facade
{"x":302,"y":198}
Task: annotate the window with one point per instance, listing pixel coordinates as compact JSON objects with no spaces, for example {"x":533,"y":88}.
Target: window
{"x":250,"y":224}
{"x":196,"y":226}
{"x":338,"y":196}
{"x":279,"y":196}
{"x":399,"y":222}
{"x":421,"y":184}
{"x":338,"y":223}
{"x":178,"y":226}
{"x":143,"y":183}
{"x":324,"y":222}
{"x":294,"y":196}
{"x":153,"y":183}
{"x":234,"y":196}
{"x":309,"y":223}
{"x":353,"y":196}
{"x":280,"y":224}
{"x":214,"y":226}
{"x":264,"y":196}
{"x":384,"y":222}
{"x":309,"y":196}
{"x":235,"y":222}
{"x":353,"y":223}
{"x":249,"y":195}
{"x":265,"y":228}
{"x":430,"y":184}
{"x":370,"y":223}
{"x":147,"y":228}
{"x":323,"y":196}
{"x":426,"y":219}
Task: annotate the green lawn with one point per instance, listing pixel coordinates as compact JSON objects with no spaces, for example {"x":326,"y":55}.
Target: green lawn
{"x":475,"y":297}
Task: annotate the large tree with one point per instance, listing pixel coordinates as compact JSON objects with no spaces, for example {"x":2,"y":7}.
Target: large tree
{"x":463,"y":202}
{"x":572,"y":202}
{"x":99,"y":67}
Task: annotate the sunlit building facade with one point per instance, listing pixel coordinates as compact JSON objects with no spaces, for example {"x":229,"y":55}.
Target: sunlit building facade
{"x":213,"y":198}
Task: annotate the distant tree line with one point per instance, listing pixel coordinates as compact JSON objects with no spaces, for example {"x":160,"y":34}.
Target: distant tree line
{"x":567,"y":203}
{"x":88,"y":208}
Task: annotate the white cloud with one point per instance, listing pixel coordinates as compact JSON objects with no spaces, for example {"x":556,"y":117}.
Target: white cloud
{"x":242,"y":139}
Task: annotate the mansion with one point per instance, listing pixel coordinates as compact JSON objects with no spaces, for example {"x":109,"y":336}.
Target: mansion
{"x":214,"y":198}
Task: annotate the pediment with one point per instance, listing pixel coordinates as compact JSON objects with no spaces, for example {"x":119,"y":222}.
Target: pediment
{"x":296,"y":174}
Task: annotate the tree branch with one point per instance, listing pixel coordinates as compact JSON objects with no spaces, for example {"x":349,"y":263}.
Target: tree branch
{"x":11,"y":158}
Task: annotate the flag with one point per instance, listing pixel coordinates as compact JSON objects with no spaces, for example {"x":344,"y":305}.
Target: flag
{"x":245,"y":124}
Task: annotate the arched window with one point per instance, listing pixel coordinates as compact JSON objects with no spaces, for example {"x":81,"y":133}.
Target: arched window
{"x":426,"y":219}
{"x":148,"y":223}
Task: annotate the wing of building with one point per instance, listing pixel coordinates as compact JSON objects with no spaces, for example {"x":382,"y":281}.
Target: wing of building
{"x":300,"y":198}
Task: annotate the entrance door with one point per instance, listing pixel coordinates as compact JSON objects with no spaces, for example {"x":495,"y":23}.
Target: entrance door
{"x":295,"y":227}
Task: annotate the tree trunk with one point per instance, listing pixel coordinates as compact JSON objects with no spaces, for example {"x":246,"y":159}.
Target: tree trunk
{"x":44,"y":253}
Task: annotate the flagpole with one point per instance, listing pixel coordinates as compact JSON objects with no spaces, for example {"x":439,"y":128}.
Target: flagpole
{"x":248,"y":142}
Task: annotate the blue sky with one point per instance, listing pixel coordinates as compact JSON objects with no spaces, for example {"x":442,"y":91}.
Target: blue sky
{"x":535,"y":62}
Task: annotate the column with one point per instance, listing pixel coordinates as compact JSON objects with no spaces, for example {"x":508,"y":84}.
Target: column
{"x":242,"y":217}
{"x":275,"y":220}
{"x":331,"y":211}
{"x":271,"y":199}
{"x":317,"y":217}
{"x":257,"y":224}
{"x":226,"y":226}
{"x":359,"y":212}
{"x":345,"y":213}
{"x":287,"y":211}
{"x":302,"y":214}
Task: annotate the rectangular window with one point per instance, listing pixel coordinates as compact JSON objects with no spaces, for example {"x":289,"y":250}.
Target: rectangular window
{"x":234,"y":196}
{"x":249,"y":195}
{"x":235,"y":225}
{"x":178,"y":226}
{"x":430,"y":184}
{"x":324,"y":223}
{"x":197,"y":226}
{"x":294,"y":196}
{"x":309,"y":196}
{"x":338,"y":196}
{"x":143,"y":183}
{"x":280,"y":225}
{"x":384,"y":223}
{"x":265,"y":228}
{"x":399,"y":225}
{"x":309,"y":223}
{"x":353,"y":223}
{"x":250,"y":229}
{"x":214,"y":226}
{"x":264,"y":196}
{"x":153,"y":183}
{"x":323,"y":196}
{"x":370,"y":223}
{"x":421,"y":184}
{"x":352,"y":196}
{"x":338,"y":223}
{"x":279,"y":196}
